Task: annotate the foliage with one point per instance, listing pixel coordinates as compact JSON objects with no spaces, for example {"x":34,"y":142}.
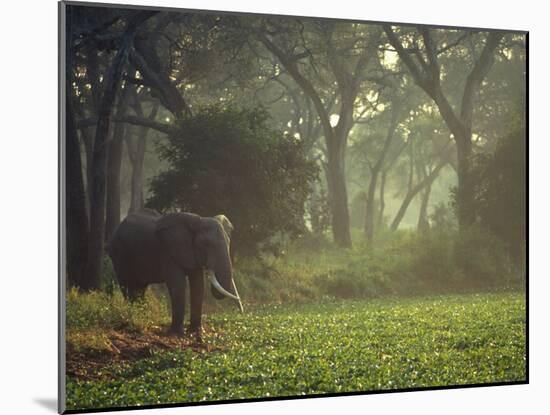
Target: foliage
{"x":482,"y":258}
{"x":331,"y":347}
{"x":500,"y":200}
{"x":311,"y":268}
{"x":443,"y":217}
{"x":319,"y":211}
{"x":357,"y":210}
{"x":229,"y":160}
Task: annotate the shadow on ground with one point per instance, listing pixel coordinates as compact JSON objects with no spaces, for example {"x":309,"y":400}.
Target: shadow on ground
{"x":48,"y":403}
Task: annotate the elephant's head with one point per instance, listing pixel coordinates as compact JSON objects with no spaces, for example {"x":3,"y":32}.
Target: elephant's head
{"x":193,"y":241}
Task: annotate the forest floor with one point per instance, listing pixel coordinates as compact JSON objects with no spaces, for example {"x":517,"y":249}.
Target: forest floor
{"x":124,"y":347}
{"x":317,"y":348}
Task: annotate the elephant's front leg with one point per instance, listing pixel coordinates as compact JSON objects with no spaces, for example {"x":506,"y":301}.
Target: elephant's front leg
{"x":196,"y":285}
{"x":176,"y":288}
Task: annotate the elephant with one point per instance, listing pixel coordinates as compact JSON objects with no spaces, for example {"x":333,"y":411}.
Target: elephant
{"x":149,"y":248}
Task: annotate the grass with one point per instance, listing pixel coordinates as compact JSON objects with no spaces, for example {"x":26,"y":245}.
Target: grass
{"x":407,"y":263}
{"x":413,"y":310}
{"x":324,"y":347}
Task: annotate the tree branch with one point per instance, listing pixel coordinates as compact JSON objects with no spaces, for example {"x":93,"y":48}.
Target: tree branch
{"x":431,"y":53}
{"x":479,"y":71}
{"x":415,"y":71}
{"x":170,"y":96}
{"x":304,"y":83}
{"x":131,"y":119}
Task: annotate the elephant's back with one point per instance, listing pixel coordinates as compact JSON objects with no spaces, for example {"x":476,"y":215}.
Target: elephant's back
{"x":133,"y":232}
{"x":135,"y":245}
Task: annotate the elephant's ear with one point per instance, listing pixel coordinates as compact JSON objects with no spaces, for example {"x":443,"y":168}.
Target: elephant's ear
{"x":176,"y":232}
{"x":226,"y":223}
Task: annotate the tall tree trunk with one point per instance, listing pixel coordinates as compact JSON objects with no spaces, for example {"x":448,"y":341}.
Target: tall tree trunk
{"x":136,"y":159}
{"x":75,"y":207}
{"x":97,"y":205}
{"x":114,"y":163}
{"x":338,"y":196}
{"x":136,"y":153}
{"x":76,"y":226}
{"x":88,"y":140}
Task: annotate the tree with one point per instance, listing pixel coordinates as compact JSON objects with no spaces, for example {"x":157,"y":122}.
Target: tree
{"x":372,"y":149}
{"x":136,"y":152}
{"x":425,"y":68}
{"x":229,"y":161}
{"x":75,"y":206}
{"x":114,"y":163}
{"x":346,"y":54}
{"x":75,"y":202}
{"x":427,"y":167}
{"x":92,"y":270}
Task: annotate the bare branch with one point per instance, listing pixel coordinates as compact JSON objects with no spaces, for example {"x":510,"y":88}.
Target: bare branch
{"x":304,"y":83}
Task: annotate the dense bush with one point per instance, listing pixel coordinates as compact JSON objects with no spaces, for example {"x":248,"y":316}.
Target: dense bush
{"x":228,"y":160}
{"x":500,"y":200}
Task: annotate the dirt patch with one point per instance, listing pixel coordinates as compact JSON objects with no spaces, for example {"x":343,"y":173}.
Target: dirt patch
{"x":120,"y":347}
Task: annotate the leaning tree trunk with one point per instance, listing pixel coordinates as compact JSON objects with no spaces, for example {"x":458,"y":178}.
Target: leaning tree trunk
{"x":382,"y":202}
{"x":413,"y":191}
{"x":423,"y":222}
{"x":402,"y":210}
{"x":75,"y":206}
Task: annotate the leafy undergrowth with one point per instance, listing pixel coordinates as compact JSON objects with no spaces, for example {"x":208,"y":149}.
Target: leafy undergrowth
{"x":335,"y":346}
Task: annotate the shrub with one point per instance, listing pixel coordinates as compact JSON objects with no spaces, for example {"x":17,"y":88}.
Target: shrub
{"x":228,"y":160}
{"x":101,"y":310}
{"x":482,"y":258}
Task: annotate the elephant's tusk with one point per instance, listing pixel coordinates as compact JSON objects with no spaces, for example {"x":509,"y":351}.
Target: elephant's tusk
{"x":221,"y":290}
{"x":238,"y":296}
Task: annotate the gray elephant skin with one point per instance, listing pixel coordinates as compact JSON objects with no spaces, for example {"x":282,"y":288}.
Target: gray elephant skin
{"x":149,"y":248}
